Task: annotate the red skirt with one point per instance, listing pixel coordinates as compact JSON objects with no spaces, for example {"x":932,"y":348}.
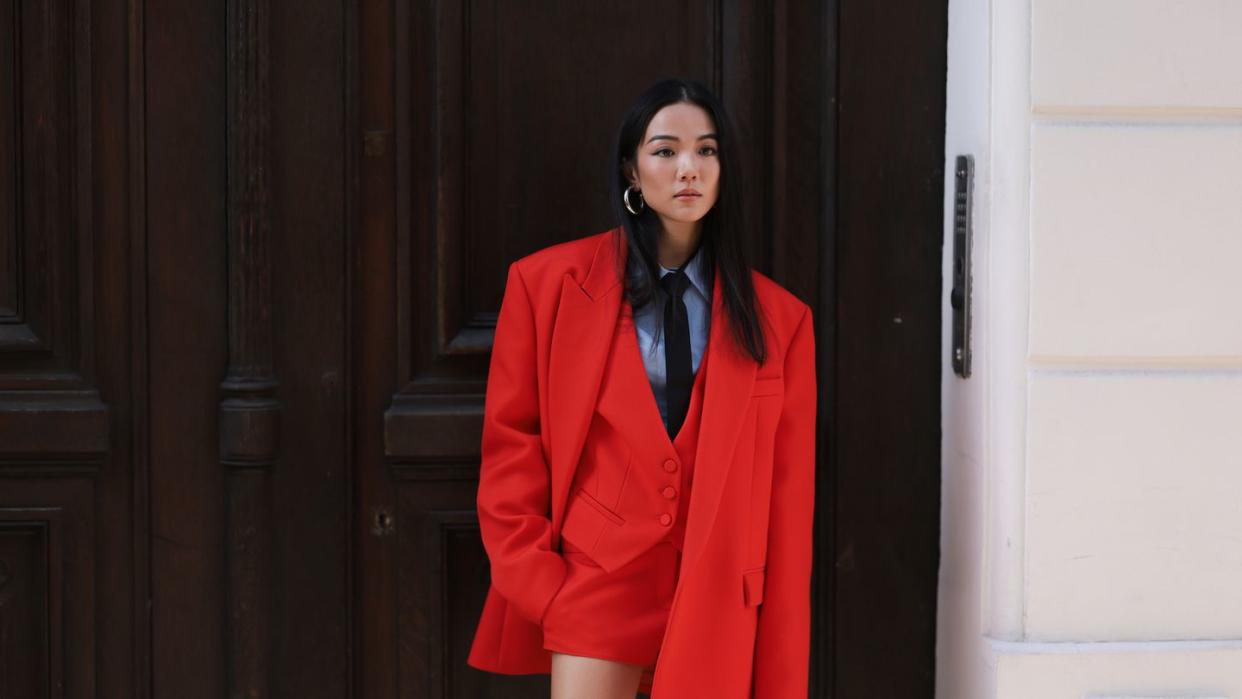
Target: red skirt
{"x":614,"y":616}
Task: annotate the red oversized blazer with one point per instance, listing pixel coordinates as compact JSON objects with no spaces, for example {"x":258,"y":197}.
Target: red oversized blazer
{"x":739,"y":625}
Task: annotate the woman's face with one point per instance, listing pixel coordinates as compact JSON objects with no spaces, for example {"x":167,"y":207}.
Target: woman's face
{"x":678,"y":156}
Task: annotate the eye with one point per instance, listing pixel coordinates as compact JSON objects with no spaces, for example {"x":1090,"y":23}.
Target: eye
{"x":663,"y":150}
{"x":708,"y":150}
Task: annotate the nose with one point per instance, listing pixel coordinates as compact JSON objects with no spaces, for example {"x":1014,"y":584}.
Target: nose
{"x":688,"y":170}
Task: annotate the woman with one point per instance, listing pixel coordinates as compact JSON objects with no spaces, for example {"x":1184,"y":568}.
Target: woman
{"x":646,"y":489}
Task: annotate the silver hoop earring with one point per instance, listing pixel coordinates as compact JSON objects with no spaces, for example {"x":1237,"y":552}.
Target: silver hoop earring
{"x":625,"y":197}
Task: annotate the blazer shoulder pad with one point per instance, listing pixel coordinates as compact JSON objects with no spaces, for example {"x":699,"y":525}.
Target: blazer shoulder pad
{"x":782,"y":304}
{"x":555,"y":260}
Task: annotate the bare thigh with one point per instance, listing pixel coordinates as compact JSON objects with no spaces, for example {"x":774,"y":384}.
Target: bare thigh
{"x":577,"y":677}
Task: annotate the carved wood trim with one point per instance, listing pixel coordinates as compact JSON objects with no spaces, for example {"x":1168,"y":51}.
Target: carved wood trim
{"x":433,"y":427}
{"x":249,"y":413}
{"x":80,"y":420}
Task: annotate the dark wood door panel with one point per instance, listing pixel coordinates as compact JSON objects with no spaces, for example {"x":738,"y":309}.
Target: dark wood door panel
{"x":67,"y":567}
{"x":47,"y":588}
{"x":47,"y":311}
{"x":440,"y":564}
{"x":24,"y":606}
{"x":39,"y":124}
{"x":521,"y":101}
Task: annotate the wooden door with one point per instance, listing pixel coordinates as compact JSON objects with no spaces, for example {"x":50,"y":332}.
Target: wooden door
{"x":488,"y":127}
{"x":175,"y":475}
{"x":251,"y":255}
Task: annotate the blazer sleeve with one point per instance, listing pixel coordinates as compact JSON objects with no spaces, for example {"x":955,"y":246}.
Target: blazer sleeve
{"x":783,"y":643}
{"x":514,"y":479}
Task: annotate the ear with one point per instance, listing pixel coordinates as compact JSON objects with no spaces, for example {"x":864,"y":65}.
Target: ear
{"x":627,"y":169}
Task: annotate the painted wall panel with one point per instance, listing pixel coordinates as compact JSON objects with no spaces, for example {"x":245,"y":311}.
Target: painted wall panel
{"x":1136,"y":234}
{"x":1136,"y":54}
{"x":1133,"y":527}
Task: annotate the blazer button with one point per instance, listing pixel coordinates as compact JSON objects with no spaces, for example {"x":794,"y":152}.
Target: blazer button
{"x":670,"y":492}
{"x":666,"y":519}
{"x":670,"y":465}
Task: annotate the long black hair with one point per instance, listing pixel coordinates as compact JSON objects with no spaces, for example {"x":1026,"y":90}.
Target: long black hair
{"x":725,"y":226}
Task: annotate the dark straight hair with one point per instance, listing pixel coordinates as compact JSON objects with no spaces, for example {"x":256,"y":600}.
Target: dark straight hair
{"x":725,"y":226}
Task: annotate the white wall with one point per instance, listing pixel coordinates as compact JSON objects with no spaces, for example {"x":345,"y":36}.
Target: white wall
{"x":1092,"y":495}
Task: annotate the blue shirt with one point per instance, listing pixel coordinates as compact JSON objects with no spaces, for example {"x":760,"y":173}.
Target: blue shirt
{"x":650,"y":318}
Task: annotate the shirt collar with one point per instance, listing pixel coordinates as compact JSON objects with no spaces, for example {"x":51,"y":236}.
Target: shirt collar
{"x":694,"y":270}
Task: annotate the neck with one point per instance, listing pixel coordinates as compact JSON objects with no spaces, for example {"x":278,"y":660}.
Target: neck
{"x":677,"y":242}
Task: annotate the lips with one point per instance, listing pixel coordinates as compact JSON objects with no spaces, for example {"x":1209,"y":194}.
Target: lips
{"x":682,"y":195}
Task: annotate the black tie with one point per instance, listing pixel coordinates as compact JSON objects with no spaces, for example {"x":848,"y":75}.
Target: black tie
{"x":678,"y":376}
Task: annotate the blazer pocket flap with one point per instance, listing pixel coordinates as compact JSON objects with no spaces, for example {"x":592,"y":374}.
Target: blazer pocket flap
{"x":588,"y":525}
{"x":752,"y":586}
{"x":771,"y":386}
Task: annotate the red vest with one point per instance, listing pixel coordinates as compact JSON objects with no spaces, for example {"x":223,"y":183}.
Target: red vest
{"x":631,"y":488}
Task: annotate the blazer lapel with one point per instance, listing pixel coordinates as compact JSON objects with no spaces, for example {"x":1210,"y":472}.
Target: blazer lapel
{"x":585,"y":323}
{"x":729,"y":382}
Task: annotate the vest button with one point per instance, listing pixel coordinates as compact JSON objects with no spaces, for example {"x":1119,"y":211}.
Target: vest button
{"x":666,"y":519}
{"x":670,"y":465}
{"x":670,"y":492}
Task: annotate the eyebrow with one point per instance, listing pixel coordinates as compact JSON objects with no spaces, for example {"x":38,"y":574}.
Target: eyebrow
{"x":667,"y":137}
